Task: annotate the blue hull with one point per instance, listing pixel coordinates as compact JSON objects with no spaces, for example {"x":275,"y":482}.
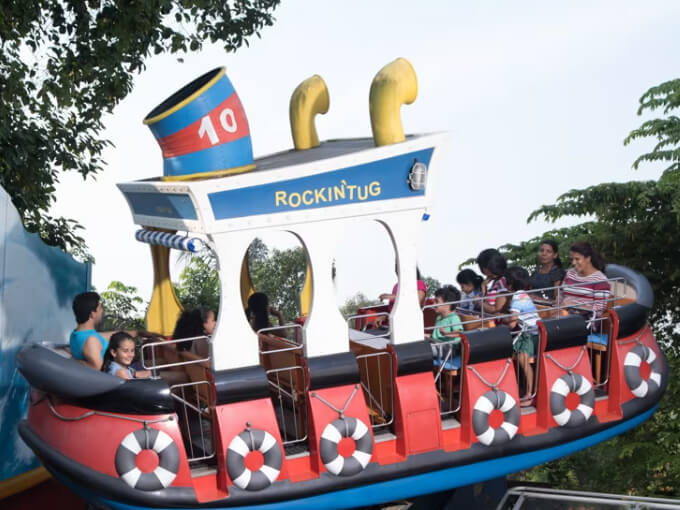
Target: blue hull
{"x":415,"y":485}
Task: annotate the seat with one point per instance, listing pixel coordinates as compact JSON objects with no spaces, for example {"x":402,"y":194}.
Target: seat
{"x":198,"y":372}
{"x":283,"y":362}
{"x":472,"y":321}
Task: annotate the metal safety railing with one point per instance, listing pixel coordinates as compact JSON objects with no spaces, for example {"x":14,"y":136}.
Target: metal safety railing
{"x":594,"y":308}
{"x":195,"y":412}
{"x":282,"y":361}
{"x":376,"y":378}
{"x":528,"y":498}
{"x":165,"y":354}
{"x":448,"y":359}
{"x":361,"y":323}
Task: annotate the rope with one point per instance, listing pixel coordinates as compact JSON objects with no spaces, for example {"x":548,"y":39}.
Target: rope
{"x":637,"y":338}
{"x":344,"y":408}
{"x":88,"y":414}
{"x":565,"y":368}
{"x":493,"y":386}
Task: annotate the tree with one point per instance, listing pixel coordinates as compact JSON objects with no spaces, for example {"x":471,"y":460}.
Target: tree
{"x":278,"y":273}
{"x":636,"y":224}
{"x":432,"y":285}
{"x":281,"y":275}
{"x":121,"y":307}
{"x":199,"y":285}
{"x":65,"y":64}
{"x":358,"y":300}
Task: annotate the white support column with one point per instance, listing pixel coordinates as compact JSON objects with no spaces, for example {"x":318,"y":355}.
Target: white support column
{"x":234,"y":341}
{"x":325,"y":329}
{"x":406,"y":319}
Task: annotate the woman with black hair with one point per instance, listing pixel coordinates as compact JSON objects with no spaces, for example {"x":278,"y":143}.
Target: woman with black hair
{"x":549,"y":271}
{"x":199,"y":322}
{"x":258,"y":312}
{"x":585,"y":285}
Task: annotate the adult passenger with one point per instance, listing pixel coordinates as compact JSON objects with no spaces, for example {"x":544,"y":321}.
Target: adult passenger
{"x":259,"y":311}
{"x":86,"y":344}
{"x":422,"y":291}
{"x":391,"y":298}
{"x":585,"y":286}
{"x":196,"y":323}
{"x":549,"y":272}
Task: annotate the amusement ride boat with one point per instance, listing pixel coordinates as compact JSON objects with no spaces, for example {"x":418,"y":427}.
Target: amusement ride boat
{"x":326,"y":412}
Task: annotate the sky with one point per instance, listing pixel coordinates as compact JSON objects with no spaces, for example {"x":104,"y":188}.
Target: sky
{"x":537,"y":98}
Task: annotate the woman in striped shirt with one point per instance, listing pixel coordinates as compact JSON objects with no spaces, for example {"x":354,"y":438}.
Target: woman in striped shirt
{"x":585,"y":286}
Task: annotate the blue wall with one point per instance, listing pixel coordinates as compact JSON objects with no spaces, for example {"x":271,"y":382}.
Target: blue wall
{"x":37,"y":285}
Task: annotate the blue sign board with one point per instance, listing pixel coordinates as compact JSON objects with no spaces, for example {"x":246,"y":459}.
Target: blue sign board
{"x":165,"y":205}
{"x":384,"y":179}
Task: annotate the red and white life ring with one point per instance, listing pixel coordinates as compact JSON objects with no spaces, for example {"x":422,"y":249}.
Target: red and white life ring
{"x":147,"y":459}
{"x":356,"y":457}
{"x":495,"y":400}
{"x":268,"y":463}
{"x":641,"y":384}
{"x":571,"y":414}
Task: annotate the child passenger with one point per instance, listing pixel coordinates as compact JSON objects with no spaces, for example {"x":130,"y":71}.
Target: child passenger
{"x":524,"y":316}
{"x":471,"y":285}
{"x":493,"y":265}
{"x":119,"y":356}
{"x":447,"y":327}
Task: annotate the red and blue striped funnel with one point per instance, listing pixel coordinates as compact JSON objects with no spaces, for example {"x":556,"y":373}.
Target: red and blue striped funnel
{"x":202,"y":130}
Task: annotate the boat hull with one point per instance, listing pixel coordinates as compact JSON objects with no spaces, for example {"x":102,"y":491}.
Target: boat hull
{"x":423,"y":475}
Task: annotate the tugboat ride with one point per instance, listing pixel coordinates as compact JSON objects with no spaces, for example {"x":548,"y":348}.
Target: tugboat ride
{"x":328,"y":411}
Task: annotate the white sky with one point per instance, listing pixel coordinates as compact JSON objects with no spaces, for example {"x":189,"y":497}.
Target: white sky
{"x":537,"y":96}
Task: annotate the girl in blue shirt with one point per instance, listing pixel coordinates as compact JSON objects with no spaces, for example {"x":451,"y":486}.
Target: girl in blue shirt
{"x":119,"y":356}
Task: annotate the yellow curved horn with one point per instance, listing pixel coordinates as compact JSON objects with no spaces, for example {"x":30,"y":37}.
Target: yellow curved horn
{"x":394,"y":85}
{"x":164,"y":308}
{"x":308,"y":99}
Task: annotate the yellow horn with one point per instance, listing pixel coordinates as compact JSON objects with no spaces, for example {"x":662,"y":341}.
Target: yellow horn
{"x":164,"y":308}
{"x":308,"y":99}
{"x":394,"y":85}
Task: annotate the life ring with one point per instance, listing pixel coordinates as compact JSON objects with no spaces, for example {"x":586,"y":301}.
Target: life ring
{"x":639,"y":386}
{"x":571,"y":383}
{"x":495,"y":400}
{"x":248,"y":441}
{"x":139,"y":452}
{"x":331,"y":454}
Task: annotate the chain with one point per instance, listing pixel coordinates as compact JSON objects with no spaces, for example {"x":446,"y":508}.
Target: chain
{"x":637,"y":338}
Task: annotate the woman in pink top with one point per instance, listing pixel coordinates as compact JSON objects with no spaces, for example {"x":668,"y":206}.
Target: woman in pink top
{"x":422,"y":294}
{"x":585,"y":285}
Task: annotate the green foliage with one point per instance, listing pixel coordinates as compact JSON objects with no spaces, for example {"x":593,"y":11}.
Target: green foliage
{"x":65,"y":64}
{"x":636,"y":224}
{"x":199,"y":285}
{"x":278,"y":273}
{"x":281,"y":275}
{"x":667,"y":130}
{"x":432,"y":285}
{"x":121,"y":307}
{"x":358,"y":300}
